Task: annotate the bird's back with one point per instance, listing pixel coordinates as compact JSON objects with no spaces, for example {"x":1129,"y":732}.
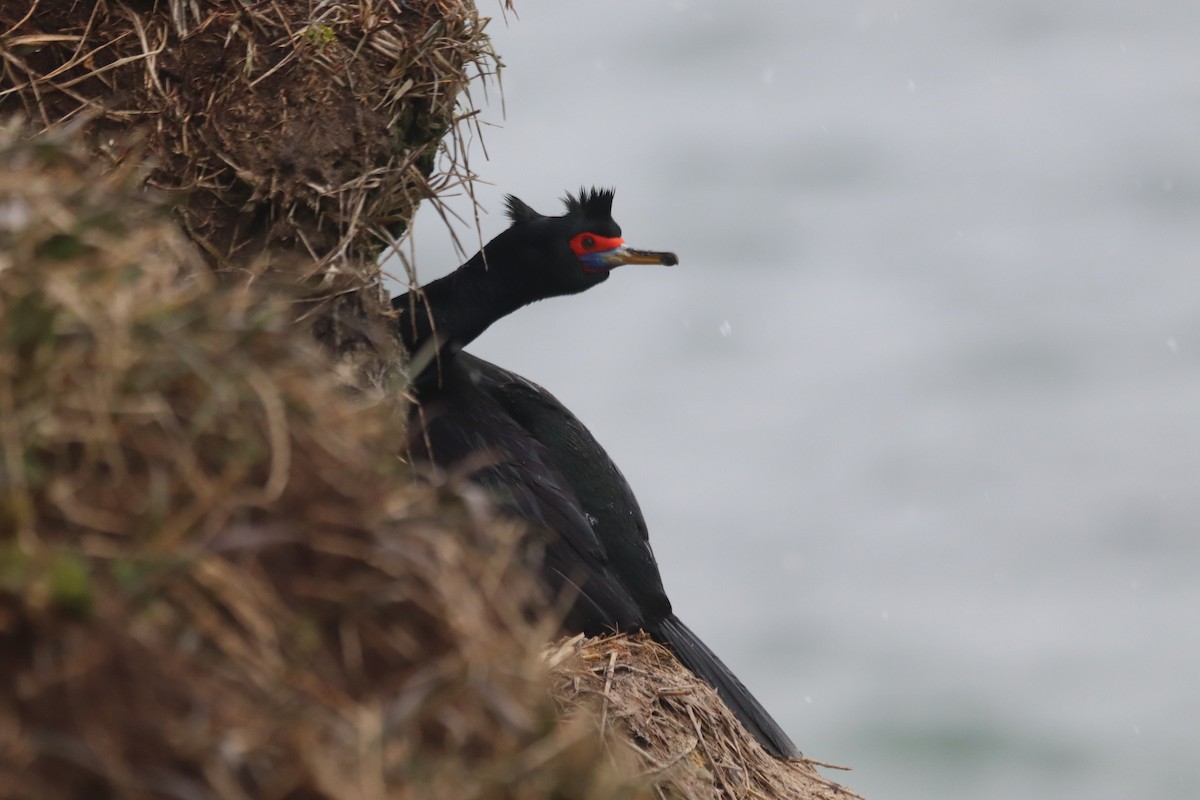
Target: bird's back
{"x":542,"y":466}
{"x":601,"y":491}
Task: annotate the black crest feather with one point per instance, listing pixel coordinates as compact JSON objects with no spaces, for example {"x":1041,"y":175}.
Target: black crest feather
{"x":518,"y":210}
{"x":592,"y":203}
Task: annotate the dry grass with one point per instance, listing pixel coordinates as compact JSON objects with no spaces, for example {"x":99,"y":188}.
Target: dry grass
{"x":215,"y":578}
{"x":291,"y":132}
{"x":293,"y":124}
{"x":683,"y":739}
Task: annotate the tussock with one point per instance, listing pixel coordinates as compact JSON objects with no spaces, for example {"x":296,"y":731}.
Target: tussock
{"x":682,"y":738}
{"x":294,"y":124}
{"x":291,"y":134}
{"x":215,"y":578}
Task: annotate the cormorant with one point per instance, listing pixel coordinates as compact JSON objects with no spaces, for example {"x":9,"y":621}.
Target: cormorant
{"x":535,"y":458}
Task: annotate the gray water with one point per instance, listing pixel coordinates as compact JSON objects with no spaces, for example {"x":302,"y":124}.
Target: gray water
{"x":914,"y":423}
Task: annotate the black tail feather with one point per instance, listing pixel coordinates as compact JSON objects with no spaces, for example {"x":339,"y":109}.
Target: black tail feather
{"x":696,"y":656}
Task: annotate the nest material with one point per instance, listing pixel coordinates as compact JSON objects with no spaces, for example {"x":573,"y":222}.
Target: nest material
{"x":296,"y":132}
{"x":290,"y":124}
{"x":216,"y":581}
{"x":683,"y":737}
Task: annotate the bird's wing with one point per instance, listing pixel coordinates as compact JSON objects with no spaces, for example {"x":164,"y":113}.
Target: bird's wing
{"x":601,"y":491}
{"x":464,"y":427}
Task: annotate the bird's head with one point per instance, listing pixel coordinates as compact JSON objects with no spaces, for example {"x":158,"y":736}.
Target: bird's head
{"x":567,"y":254}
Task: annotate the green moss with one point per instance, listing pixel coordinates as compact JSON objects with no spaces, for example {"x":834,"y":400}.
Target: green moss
{"x":320,"y":35}
{"x":61,"y":247}
{"x":70,"y":584}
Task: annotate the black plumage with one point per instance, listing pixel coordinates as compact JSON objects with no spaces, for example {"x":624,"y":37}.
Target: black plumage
{"x":536,"y":459}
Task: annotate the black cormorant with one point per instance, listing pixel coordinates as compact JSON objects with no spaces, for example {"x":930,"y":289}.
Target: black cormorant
{"x":535,"y":458}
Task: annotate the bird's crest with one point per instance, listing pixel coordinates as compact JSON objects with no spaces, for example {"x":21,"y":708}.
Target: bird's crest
{"x":591,"y":203}
{"x":518,"y":210}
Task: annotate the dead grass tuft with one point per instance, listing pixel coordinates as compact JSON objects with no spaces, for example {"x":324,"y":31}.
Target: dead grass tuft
{"x":290,"y":124}
{"x":682,"y":737}
{"x":292,"y":135}
{"x":215,"y":578}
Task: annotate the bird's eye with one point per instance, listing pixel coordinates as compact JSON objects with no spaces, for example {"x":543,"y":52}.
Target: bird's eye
{"x":586,"y":243}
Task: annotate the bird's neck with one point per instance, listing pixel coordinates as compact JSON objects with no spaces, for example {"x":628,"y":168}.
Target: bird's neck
{"x":457,"y":308}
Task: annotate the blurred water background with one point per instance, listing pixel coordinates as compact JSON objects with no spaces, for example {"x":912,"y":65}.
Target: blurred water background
{"x":915,"y":422}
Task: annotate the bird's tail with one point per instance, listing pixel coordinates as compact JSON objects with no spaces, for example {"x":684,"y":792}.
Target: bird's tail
{"x":696,"y":656}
